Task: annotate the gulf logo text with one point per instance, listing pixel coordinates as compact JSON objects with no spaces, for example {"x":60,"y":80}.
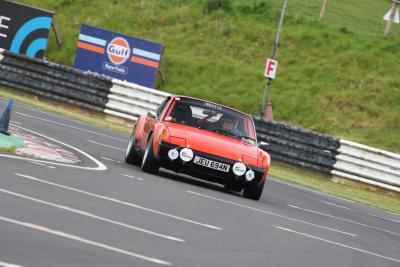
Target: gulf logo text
{"x":118,"y":51}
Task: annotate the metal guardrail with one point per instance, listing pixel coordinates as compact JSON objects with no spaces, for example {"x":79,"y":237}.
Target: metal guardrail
{"x":54,"y":81}
{"x":298,"y":146}
{"x":368,"y":165}
{"x":128,"y":101}
{"x":132,"y":100}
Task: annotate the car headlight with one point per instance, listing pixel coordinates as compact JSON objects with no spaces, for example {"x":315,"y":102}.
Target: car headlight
{"x":250,"y":175}
{"x":239,"y":169}
{"x":186,"y":154}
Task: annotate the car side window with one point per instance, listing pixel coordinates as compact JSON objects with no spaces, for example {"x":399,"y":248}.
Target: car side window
{"x":162,"y":106}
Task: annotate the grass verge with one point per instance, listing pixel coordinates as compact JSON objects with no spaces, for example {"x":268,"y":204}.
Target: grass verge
{"x":70,"y":111}
{"x":352,"y":191}
{"x":8,"y":150}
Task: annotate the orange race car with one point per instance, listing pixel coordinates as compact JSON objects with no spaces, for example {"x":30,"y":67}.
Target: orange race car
{"x":201,"y":139}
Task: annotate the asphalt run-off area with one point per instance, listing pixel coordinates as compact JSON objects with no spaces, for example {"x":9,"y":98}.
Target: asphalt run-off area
{"x":100,"y":211}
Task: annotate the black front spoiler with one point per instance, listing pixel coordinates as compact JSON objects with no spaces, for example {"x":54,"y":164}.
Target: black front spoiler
{"x":192,"y":169}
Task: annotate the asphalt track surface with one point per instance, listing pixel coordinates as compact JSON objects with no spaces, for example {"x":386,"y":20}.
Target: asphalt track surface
{"x":52,"y":215}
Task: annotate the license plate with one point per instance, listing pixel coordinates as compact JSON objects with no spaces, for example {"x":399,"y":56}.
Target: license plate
{"x":211,"y":164}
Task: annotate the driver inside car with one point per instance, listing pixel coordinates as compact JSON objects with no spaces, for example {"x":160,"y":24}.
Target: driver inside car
{"x":228,"y":123}
{"x":182,"y":114}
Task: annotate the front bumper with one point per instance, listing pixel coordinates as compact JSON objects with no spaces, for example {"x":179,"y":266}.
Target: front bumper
{"x":190,"y":168}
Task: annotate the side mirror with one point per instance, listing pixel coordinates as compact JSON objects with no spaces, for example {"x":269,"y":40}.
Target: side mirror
{"x":262,"y":143}
{"x":151,"y":114}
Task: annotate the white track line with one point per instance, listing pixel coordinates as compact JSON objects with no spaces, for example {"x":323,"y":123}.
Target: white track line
{"x":135,"y":178}
{"x":117,"y":161}
{"x":119,"y":201}
{"x":83,"y":240}
{"x":91,"y":215}
{"x":100,"y":166}
{"x":44,"y":165}
{"x":336,"y":205}
{"x":100,"y":144}
{"x":392,"y":213}
{"x":384,"y":218}
{"x":55,"y":115}
{"x":343,"y":219}
{"x":343,"y":207}
{"x":5,"y":264}
{"x":271,"y":213}
{"x":37,"y":110}
{"x":338,"y":244}
{"x":310,"y":190}
{"x":40,"y":164}
{"x":72,"y":127}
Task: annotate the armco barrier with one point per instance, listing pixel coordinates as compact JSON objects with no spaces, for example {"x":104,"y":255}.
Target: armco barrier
{"x":132,"y":100}
{"x":368,"y":165}
{"x":298,"y":146}
{"x":54,"y":81}
{"x":125,"y":100}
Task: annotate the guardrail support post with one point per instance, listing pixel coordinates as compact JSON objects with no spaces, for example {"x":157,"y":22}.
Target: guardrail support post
{"x":268,"y":113}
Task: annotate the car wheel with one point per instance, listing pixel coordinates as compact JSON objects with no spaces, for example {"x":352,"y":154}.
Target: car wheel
{"x":253,"y":190}
{"x":149,"y":163}
{"x":131,"y":156}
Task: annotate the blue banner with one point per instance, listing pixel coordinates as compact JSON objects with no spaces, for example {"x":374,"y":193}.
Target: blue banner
{"x":24,"y":29}
{"x":118,"y":56}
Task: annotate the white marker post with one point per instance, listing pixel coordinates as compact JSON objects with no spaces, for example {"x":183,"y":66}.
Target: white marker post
{"x":324,"y":9}
{"x":392,"y":16}
{"x":266,"y":106}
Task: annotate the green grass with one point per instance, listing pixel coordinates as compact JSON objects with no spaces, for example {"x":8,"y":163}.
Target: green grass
{"x":353,"y":191}
{"x":8,"y":150}
{"x":338,"y":77}
{"x":10,"y":143}
{"x":93,"y":118}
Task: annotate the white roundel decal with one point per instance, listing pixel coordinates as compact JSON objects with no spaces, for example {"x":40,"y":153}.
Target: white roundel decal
{"x":173,"y":154}
{"x":239,"y":168}
{"x":186,"y":154}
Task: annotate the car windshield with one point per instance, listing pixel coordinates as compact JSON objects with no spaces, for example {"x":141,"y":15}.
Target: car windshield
{"x":212,"y":117}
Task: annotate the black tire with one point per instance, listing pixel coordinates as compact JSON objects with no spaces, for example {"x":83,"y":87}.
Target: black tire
{"x":253,"y":190}
{"x":131,"y":156}
{"x":149,"y":163}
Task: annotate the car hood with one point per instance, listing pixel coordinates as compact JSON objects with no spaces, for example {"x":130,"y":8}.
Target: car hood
{"x":213,"y":143}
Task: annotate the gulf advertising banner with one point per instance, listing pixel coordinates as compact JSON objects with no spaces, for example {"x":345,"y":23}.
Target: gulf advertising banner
{"x":24,"y":29}
{"x":118,"y":56}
